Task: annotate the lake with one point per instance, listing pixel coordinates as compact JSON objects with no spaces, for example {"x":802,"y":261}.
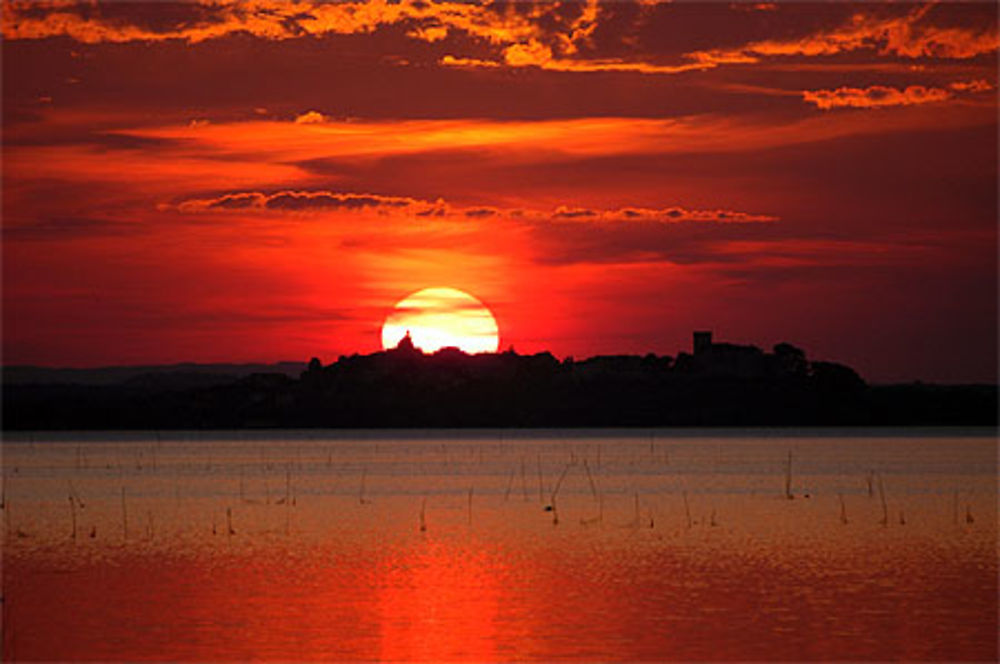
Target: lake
{"x":592,"y":545}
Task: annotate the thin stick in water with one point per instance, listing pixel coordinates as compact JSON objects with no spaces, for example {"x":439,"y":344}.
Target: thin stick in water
{"x":590,"y":478}
{"x":75,"y":495}
{"x":510,"y":484}
{"x":361,"y":493}
{"x":788,"y":477}
{"x":524,"y":480}
{"x":541,"y":492}
{"x":124,"y":516}
{"x":885,"y":507}
{"x":559,"y":483}
{"x":72,"y":513}
{"x":687,"y":509}
{"x":843,"y":509}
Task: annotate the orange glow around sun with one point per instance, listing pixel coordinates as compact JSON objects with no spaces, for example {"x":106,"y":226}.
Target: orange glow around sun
{"x":441,"y":318}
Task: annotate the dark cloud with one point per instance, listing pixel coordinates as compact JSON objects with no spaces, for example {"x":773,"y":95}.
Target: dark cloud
{"x":237,"y":201}
{"x":295,"y":200}
{"x":305,"y":201}
{"x":481,"y":212}
{"x":563,"y":212}
{"x":298,"y":201}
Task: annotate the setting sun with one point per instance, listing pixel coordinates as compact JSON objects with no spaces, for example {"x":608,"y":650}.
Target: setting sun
{"x":440,"y":318}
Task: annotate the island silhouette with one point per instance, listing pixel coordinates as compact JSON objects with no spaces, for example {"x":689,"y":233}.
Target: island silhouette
{"x":715,"y":384}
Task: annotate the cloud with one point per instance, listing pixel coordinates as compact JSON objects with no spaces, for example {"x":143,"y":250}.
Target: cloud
{"x":534,"y":53}
{"x":980,"y":85}
{"x":674,"y":214}
{"x":564,"y":212}
{"x":306,"y":201}
{"x":268,"y":19}
{"x":549,"y":36}
{"x":480,"y":212}
{"x":878,"y":96}
{"x":311,"y":117}
{"x":908,"y":36}
{"x":299,"y":201}
{"x":678,"y":214}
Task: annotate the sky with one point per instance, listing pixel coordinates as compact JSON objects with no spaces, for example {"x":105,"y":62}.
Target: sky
{"x":264,"y":181}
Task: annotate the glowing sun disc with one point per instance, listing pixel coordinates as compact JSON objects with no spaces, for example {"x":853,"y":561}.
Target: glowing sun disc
{"x":440,"y":318}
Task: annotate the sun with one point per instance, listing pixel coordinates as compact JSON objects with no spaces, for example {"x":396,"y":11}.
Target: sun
{"x":441,"y":318}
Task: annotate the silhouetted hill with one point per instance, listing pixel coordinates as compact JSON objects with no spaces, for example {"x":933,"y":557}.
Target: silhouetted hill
{"x":715,"y":385}
{"x":181,"y":375}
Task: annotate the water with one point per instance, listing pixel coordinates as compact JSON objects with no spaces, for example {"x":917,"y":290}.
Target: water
{"x":501,"y":545}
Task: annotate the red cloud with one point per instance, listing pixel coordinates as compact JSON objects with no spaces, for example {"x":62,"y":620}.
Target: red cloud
{"x":908,"y":36}
{"x":878,"y":96}
{"x":875,"y":96}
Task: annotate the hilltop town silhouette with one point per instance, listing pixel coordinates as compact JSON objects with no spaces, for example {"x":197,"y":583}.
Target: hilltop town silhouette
{"x":716,"y":384}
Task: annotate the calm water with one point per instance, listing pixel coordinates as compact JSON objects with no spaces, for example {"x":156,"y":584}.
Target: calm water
{"x":486,"y":546}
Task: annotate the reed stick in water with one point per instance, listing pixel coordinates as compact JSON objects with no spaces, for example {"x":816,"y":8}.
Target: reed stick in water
{"x":72,"y":513}
{"x":76,"y":496}
{"x":361,"y":492}
{"x":590,"y":478}
{"x":541,"y":496}
{"x":885,"y":507}
{"x":843,"y":509}
{"x":687,"y":509}
{"x":788,"y":477}
{"x":470,"y":505}
{"x":423,"y":515}
{"x":559,"y":482}
{"x":124,"y":516}
{"x":524,"y":480}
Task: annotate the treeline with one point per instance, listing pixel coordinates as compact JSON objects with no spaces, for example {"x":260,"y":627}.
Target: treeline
{"x":406,"y":388}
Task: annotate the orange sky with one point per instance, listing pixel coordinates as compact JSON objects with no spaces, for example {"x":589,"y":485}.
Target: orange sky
{"x":262,"y":181}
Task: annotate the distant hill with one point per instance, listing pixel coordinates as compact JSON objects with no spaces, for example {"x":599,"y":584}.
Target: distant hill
{"x":718,"y":384}
{"x":186,"y":374}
